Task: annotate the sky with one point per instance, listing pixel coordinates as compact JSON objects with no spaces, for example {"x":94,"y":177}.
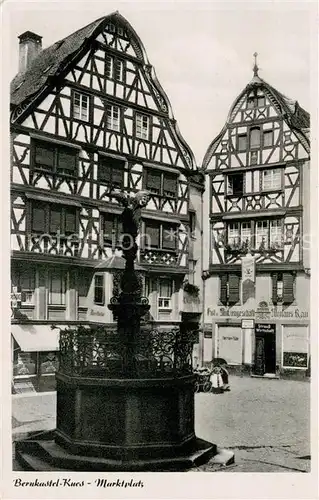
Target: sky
{"x":202,"y":52}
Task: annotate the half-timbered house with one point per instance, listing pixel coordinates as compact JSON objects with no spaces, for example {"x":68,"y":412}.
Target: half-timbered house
{"x":258,"y":234}
{"x":88,"y":116}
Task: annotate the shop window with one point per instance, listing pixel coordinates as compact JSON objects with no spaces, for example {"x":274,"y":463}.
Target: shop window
{"x":283,"y":288}
{"x":111,"y":172}
{"x":235,"y":184}
{"x":165,"y":294}
{"x":54,"y":159}
{"x":24,"y":363}
{"x":99,"y":295}
{"x":26,"y":279}
{"x":229,"y":289}
{"x":57,"y":287}
{"x":49,"y":363}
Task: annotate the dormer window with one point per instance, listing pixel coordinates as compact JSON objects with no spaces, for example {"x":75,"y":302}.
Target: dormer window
{"x":81,"y":106}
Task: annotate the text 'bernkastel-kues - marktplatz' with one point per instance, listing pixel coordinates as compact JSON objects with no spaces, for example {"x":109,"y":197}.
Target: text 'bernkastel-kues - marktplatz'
{"x":89,"y":116}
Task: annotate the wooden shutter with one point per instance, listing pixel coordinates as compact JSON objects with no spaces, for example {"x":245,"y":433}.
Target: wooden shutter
{"x":38,"y":218}
{"x":153,"y":233}
{"x":117,"y":177}
{"x":233,"y":283}
{"x":44,"y":156}
{"x":70,"y":221}
{"x":104,"y":170}
{"x":55,"y":219}
{"x":288,"y":288}
{"x":274,"y":278}
{"x":170,"y":185}
{"x":223,"y":288}
{"x":169,"y":237}
{"x":153,"y":181}
{"x":66,"y":161}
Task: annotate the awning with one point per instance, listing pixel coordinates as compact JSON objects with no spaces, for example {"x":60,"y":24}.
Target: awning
{"x":52,"y":199}
{"x":36,"y":337}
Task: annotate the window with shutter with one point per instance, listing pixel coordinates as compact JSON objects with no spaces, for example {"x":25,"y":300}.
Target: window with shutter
{"x":38,"y":219}
{"x":170,"y":185}
{"x":108,"y":228}
{"x":169,"y":237}
{"x":233,"y":288}
{"x":56,"y":220}
{"x":117,"y":178}
{"x":70,"y":221}
{"x":274,"y":278}
{"x":44,"y":157}
{"x":223,"y":288}
{"x":66,"y":162}
{"x":57,"y":287}
{"x":288,"y":288}
{"x":153,"y":235}
{"x":153,"y":181}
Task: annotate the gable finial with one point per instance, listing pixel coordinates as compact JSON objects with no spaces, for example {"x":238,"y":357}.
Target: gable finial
{"x":255,"y":68}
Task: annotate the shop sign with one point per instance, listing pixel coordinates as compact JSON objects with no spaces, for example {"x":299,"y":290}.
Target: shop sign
{"x":247,"y":323}
{"x":264,"y":311}
{"x":265,"y":328}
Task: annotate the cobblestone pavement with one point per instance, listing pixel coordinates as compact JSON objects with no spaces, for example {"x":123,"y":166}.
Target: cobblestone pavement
{"x":265,"y":422}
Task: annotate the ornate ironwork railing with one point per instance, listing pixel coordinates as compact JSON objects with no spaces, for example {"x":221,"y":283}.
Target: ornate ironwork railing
{"x":100,"y":352}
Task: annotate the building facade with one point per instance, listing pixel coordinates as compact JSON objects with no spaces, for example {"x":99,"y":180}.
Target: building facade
{"x":88,"y":116}
{"x":257,"y":270}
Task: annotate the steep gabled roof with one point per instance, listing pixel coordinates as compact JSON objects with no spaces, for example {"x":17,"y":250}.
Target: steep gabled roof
{"x":296,"y":117}
{"x":57,"y":58}
{"x":48,"y":63}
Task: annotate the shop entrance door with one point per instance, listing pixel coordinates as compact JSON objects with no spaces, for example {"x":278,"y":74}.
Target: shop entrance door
{"x":265,"y":349}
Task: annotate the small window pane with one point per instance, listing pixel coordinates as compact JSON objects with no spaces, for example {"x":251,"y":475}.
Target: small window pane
{"x":99,"y":289}
{"x":109,"y":66}
{"x":250,"y":102}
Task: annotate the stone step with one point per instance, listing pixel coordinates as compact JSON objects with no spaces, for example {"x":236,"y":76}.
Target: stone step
{"x":47,"y":455}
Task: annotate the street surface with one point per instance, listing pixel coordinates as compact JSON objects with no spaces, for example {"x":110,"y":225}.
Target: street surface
{"x":265,"y":422}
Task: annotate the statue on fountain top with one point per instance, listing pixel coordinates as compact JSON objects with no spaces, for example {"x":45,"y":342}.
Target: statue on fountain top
{"x":131,"y":215}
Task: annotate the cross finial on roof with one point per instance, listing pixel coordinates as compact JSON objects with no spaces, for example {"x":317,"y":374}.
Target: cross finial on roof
{"x":255,"y":68}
